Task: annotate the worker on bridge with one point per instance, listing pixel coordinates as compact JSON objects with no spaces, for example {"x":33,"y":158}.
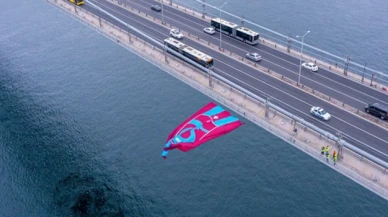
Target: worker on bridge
{"x":335,"y":157}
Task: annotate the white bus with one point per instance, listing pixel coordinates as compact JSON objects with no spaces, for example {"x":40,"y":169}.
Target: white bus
{"x":195,"y":55}
{"x":226,"y":26}
{"x":233,"y":30}
{"x":247,"y":35}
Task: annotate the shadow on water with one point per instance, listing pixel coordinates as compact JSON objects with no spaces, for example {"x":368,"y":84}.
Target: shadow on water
{"x":59,"y":154}
{"x":85,"y":195}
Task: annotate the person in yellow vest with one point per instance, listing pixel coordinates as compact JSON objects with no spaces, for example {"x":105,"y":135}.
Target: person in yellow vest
{"x":335,"y":157}
{"x":322,"y":150}
{"x":327,"y":153}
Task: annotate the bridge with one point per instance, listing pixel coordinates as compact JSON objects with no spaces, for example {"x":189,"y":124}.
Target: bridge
{"x":357,"y":128}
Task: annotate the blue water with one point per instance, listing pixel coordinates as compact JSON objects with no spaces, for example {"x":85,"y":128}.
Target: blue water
{"x":82,"y":125}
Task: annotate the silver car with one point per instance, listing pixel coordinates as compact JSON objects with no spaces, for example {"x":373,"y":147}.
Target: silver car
{"x":253,"y":56}
{"x":310,"y":66}
{"x":209,"y":30}
{"x":176,"y":34}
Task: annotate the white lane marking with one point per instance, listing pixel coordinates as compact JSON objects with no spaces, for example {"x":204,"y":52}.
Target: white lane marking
{"x":254,"y":78}
{"x":259,"y":81}
{"x":270,"y":54}
{"x":137,"y":21}
{"x":308,"y":115}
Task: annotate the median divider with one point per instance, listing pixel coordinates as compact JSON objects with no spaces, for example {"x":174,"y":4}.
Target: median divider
{"x":334,"y":68}
{"x":258,"y":67}
{"x":298,"y":133}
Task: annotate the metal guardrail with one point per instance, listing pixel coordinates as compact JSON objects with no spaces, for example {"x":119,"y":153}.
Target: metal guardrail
{"x":318,"y":130}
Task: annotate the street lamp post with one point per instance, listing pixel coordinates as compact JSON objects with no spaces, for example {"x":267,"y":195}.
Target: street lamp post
{"x":301,"y":55}
{"x":220,"y":21}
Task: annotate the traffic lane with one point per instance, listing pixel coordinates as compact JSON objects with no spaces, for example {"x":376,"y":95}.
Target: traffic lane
{"x":266,"y":91}
{"x":187,"y":25}
{"x":374,"y":95}
{"x":382,"y":154}
{"x":215,"y":54}
{"x":299,"y":101}
{"x":133,"y":21}
{"x":357,"y":100}
{"x":328,"y":79}
{"x":297,"y":96}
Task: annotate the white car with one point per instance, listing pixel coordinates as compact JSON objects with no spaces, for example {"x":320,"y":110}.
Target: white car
{"x":176,"y":34}
{"x":253,"y":56}
{"x":209,"y":30}
{"x":310,"y":66}
{"x":320,"y":113}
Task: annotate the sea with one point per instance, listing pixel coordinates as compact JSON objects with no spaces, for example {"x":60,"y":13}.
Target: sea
{"x":83,"y":122}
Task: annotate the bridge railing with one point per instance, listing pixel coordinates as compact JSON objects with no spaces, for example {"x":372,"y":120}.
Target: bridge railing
{"x":300,"y":123}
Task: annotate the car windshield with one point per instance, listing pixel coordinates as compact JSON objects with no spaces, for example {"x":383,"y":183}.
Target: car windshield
{"x":323,"y":112}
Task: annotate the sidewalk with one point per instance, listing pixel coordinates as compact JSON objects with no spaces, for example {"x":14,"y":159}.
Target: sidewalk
{"x":351,"y":165}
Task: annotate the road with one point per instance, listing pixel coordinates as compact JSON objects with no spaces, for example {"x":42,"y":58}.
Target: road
{"x":345,"y":90}
{"x":355,"y":130}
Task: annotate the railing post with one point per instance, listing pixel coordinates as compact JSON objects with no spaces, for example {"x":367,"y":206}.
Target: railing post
{"x":289,"y":43}
{"x":129,"y":38}
{"x":347,"y":60}
{"x":164,"y":52}
{"x":363,"y":73}
{"x":340,"y":146}
{"x":266,"y":108}
{"x":210,"y":77}
{"x":203,"y":9}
